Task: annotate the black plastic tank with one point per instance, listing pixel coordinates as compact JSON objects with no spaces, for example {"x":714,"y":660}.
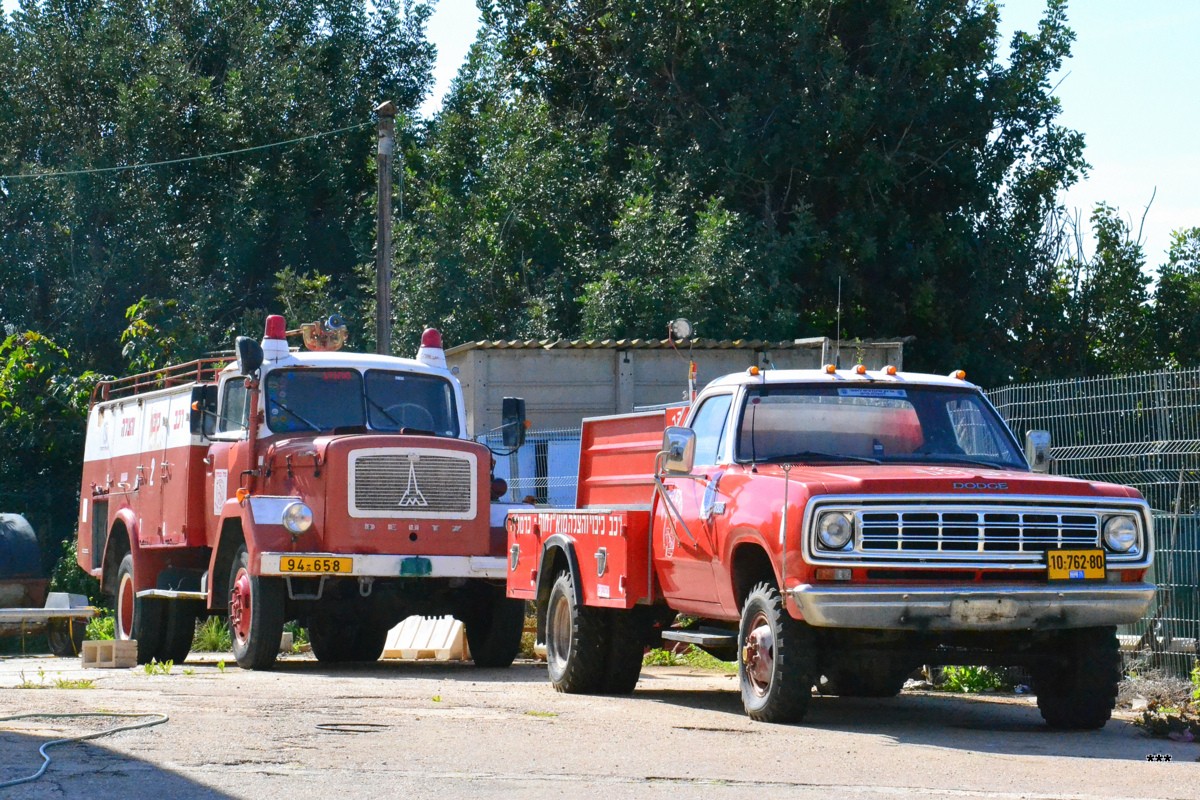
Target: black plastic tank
{"x":20,"y":556}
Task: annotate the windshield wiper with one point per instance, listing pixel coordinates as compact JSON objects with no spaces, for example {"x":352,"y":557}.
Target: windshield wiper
{"x":814,"y":455}
{"x":382,"y":410}
{"x":309,"y":423}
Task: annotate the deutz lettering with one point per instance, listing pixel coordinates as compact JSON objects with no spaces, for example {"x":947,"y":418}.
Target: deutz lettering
{"x":994,"y":487}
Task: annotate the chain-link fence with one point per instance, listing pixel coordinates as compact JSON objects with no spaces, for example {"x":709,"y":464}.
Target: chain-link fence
{"x":545,"y":470}
{"x":1141,"y":430}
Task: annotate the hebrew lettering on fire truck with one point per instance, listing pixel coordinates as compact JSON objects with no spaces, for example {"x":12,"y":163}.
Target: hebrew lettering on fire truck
{"x":338,"y":489}
{"x":835,"y":528}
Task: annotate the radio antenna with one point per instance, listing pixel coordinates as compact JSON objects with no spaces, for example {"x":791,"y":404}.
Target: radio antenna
{"x":837,"y":347}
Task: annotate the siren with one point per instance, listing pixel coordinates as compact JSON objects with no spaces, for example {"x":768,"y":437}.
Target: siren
{"x":431,"y":353}
{"x":274,"y":343}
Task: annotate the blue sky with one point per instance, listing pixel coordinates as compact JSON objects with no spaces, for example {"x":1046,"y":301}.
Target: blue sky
{"x":1130,"y":87}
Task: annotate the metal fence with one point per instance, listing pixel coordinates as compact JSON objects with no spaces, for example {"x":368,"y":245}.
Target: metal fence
{"x":545,"y":469}
{"x":1142,"y":430}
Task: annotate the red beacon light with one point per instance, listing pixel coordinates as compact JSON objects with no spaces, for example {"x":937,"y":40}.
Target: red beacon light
{"x":276,"y":328}
{"x":431,"y":353}
{"x":274,"y":343}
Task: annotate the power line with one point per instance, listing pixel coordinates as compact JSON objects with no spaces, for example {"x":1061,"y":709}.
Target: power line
{"x":68,"y":173}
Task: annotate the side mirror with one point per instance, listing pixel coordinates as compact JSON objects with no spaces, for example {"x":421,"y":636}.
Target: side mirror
{"x":203,"y":409}
{"x":679,"y":445}
{"x":1037,"y":450}
{"x":512,"y":427}
{"x":249,"y":355}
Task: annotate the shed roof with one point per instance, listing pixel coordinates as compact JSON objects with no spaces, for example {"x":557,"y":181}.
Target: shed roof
{"x":656,"y":344}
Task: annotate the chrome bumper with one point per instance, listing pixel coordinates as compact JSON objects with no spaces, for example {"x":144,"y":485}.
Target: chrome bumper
{"x":973,"y":608}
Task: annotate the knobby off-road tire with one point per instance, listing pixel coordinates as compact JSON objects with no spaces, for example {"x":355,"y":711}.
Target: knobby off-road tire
{"x":256,"y":606}
{"x":139,"y":618}
{"x":577,"y":641}
{"x":776,"y":659}
{"x":494,"y":625}
{"x":628,"y":632}
{"x":1079,"y":691}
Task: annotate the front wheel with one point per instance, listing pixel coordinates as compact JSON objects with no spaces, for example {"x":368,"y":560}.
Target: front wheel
{"x":256,"y":606}
{"x":576,"y":641}
{"x":1079,"y":691}
{"x":138,"y":618}
{"x":777,"y":663}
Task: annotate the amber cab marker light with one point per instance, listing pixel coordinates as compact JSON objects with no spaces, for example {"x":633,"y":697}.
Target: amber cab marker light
{"x":889,"y":370}
{"x":861,"y":369}
{"x":752,"y":371}
{"x":960,"y":374}
{"x":830,"y":369}
{"x":242,"y":494}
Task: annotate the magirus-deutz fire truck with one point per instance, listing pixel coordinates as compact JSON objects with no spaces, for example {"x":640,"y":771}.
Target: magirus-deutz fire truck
{"x":837,"y":527}
{"x":338,"y":489}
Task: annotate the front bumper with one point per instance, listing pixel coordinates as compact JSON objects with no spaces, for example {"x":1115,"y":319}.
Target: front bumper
{"x":389,"y":566}
{"x":972,"y":608}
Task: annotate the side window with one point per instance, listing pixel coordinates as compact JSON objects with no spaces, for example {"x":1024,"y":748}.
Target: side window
{"x":235,"y":407}
{"x":709,"y":426}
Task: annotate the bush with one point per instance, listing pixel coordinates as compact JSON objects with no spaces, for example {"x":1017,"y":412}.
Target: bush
{"x":68,"y":576}
{"x":972,"y":679}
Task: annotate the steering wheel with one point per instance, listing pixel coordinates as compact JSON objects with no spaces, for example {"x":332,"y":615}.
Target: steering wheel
{"x":410,"y":415}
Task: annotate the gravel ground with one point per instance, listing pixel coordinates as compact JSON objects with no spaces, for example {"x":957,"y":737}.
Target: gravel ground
{"x":426,"y":730}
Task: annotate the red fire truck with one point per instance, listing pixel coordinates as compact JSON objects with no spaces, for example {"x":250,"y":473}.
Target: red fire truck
{"x":835,"y":528}
{"x":338,"y":489}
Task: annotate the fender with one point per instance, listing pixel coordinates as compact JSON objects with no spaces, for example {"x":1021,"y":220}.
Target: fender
{"x":153,"y":567}
{"x":257,"y":537}
{"x":566,"y":545}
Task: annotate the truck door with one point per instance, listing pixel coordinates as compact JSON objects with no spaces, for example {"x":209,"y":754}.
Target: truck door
{"x":685,"y":545}
{"x":223,"y":467}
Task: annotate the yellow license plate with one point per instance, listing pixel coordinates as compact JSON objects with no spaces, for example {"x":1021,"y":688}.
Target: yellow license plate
{"x":1075,"y":565}
{"x":317,"y":564}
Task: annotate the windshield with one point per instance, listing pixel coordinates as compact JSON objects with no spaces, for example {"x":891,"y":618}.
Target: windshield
{"x":322,"y":400}
{"x":910,"y":424}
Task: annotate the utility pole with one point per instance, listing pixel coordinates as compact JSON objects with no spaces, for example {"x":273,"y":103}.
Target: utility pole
{"x":386,"y":111}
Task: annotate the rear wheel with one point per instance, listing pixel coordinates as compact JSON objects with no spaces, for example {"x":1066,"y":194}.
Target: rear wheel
{"x":336,"y":640}
{"x":256,"y":606}
{"x":179,"y":632}
{"x":138,"y":618}
{"x":494,"y":626}
{"x":777,"y":663}
{"x":1079,"y":690}
{"x":576,"y":641}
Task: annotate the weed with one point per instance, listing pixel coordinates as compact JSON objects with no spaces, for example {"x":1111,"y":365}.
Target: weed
{"x":189,"y":671}
{"x":212,"y":636}
{"x":437,"y":698}
{"x":971,"y":680}
{"x":1172,"y":704}
{"x":692,"y":657}
{"x":300,"y":638}
{"x":58,"y":683}
{"x":221,"y":665}
{"x":156,"y":667}
{"x":541,"y":713}
{"x":101,"y":628}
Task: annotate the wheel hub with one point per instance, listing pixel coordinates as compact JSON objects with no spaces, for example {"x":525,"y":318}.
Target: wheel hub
{"x":125,"y":598}
{"x":239,"y":606}
{"x":758,"y":655}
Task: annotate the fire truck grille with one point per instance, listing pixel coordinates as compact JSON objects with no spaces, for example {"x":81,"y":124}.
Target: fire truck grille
{"x":412,"y":484}
{"x":962,"y":531}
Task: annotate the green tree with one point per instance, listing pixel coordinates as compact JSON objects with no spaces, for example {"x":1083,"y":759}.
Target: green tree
{"x":884,"y":145}
{"x":1177,"y":301}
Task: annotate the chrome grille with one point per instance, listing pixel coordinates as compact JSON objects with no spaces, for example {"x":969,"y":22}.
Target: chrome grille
{"x":411,"y":483}
{"x":958,"y":532}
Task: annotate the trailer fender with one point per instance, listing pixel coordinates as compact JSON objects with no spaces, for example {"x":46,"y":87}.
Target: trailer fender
{"x":558,"y":552}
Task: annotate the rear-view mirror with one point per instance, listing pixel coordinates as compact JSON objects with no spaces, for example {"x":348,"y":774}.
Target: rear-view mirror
{"x":679,"y":449}
{"x":1037,"y":450}
{"x":512,"y":416}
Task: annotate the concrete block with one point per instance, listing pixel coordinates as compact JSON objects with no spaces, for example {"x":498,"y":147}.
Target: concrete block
{"x":109,"y":654}
{"x":427,"y":638}
{"x":285,"y":642}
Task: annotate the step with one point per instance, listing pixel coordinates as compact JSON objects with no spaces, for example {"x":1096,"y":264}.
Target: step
{"x":702,"y":637}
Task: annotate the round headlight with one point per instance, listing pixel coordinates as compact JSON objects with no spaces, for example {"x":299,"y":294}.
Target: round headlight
{"x":297,"y":517}
{"x":1120,"y":534}
{"x":834,"y":530}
